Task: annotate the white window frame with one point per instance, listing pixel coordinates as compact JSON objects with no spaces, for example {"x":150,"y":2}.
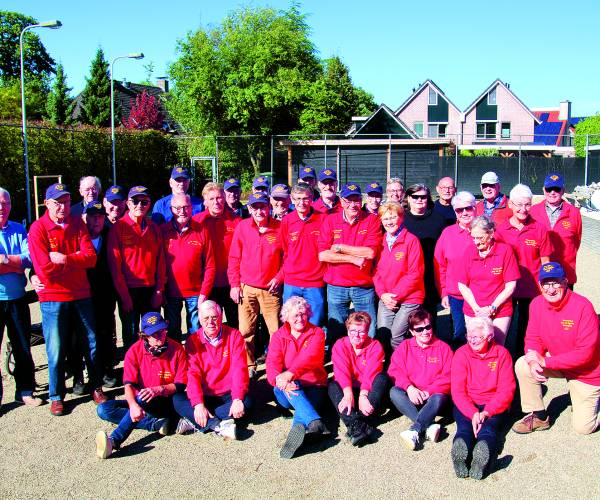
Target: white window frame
{"x":485,"y":135}
{"x":431,"y":89}
{"x":509,"y":130}
{"x":495,"y":97}
{"x":437,"y":130}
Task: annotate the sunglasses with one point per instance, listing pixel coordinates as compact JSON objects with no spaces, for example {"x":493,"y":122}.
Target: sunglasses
{"x":483,"y":186}
{"x":421,"y":329}
{"x":419,"y":196}
{"x":143,"y":203}
{"x":460,"y":210}
{"x":553,"y":189}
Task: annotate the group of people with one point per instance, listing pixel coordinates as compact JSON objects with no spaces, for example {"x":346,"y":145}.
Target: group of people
{"x":333,"y":274}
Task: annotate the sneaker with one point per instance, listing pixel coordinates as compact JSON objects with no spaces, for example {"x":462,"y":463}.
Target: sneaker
{"x":79,"y":388}
{"x":98,"y":396}
{"x":530,"y":423}
{"x":252,"y":373}
{"x":29,"y":401}
{"x":480,"y":461}
{"x":227,"y":429}
{"x":57,"y":408}
{"x":184,"y":426}
{"x":109,"y":381}
{"x":104,"y":445}
{"x":161,"y":425}
{"x":459,"y":454}
{"x":293,"y":441}
{"x":410,"y":439}
{"x":360,"y":433}
{"x":433,"y":433}
{"x":317,"y":428}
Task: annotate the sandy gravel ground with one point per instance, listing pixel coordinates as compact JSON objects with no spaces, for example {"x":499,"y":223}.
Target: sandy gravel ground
{"x":49,"y":457}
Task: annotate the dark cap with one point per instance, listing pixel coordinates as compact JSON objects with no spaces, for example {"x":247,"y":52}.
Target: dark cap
{"x":280,"y":191}
{"x":153,"y":322}
{"x":350,"y":190}
{"x":94,"y":208}
{"x":115,"y":193}
{"x":551,"y":270}
{"x":261,"y":181}
{"x":57,"y":190}
{"x":307,"y":173}
{"x":258,"y":198}
{"x":179,"y":171}
{"x":554,"y":180}
{"x":138,"y":191}
{"x":374,"y":187}
{"x":327,"y":173}
{"x":232,"y":182}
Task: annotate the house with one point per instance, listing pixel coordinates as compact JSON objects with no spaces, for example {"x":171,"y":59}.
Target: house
{"x":557,"y":127}
{"x":381,"y":123}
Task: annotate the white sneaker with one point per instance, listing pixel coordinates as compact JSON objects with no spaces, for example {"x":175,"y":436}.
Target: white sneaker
{"x":433,"y":433}
{"x":226,"y":429}
{"x":104,"y":445}
{"x":410,"y":439}
{"x":184,"y":426}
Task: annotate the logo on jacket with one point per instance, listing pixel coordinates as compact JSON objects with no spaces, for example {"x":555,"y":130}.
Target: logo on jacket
{"x":399,"y":255}
{"x":567,"y":324}
{"x":271,"y":238}
{"x":531,"y":243}
{"x":337,"y":234}
{"x":566,"y":224}
{"x":294,"y":236}
{"x":305,"y":344}
{"x":492,"y":365}
{"x":225,"y":353}
{"x":432,"y":359}
{"x":165,"y":376}
{"x":496,"y":271}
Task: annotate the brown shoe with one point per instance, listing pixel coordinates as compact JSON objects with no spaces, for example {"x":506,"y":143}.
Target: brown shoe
{"x":530,"y":423}
{"x":57,"y":408}
{"x":98,"y":396}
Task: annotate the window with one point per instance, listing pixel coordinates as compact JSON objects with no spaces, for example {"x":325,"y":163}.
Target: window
{"x":432,"y":97}
{"x":505,"y":130}
{"x":435,"y":130}
{"x":492,"y":97}
{"x":486,"y":130}
{"x":418,"y":126}
{"x":442,"y":130}
{"x":432,"y":131}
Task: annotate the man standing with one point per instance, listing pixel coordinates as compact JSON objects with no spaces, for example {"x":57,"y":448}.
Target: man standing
{"x":308,"y":176}
{"x":61,"y":251}
{"x":114,"y":204}
{"x":329,"y":202}
{"x":190,"y":266}
{"x":394,"y":190}
{"x":180,"y":184}
{"x":348,"y":243}
{"x":89,"y":189}
{"x":261,"y":185}
{"x":443,"y":205}
{"x":494,"y":204}
{"x":374,"y":192}
{"x":280,"y":201}
{"x":233,"y":192}
{"x":562,"y":341}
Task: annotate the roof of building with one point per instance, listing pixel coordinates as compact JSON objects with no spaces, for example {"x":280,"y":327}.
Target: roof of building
{"x":419,"y":89}
{"x":386,"y":114}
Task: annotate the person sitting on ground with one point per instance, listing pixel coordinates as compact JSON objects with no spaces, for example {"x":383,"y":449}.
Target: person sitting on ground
{"x":296,"y":372}
{"x":155,"y":368}
{"x":217,"y":390}
{"x":420,"y":372}
{"x":482,"y":388}
{"x":179,"y":184}
{"x":359,"y":382}
{"x":562,"y":341}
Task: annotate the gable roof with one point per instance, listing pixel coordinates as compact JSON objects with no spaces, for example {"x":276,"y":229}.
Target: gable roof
{"x":421,"y":87}
{"x":384,"y":110}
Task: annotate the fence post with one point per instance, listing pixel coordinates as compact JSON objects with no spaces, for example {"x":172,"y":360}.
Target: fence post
{"x":271,"y":159}
{"x":325,"y":165}
{"x":456,"y":165}
{"x":519,"y":177}
{"x":217,"y":154}
{"x":389,"y":158}
{"x":587,"y":157}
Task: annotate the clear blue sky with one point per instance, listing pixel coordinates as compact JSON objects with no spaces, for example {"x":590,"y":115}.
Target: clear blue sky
{"x":547,"y":50}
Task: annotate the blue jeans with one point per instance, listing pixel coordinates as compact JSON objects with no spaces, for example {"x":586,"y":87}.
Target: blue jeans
{"x":338,"y":304}
{"x":56,"y":325}
{"x":314,"y":296}
{"x":421,"y":417}
{"x":459,"y":333}
{"x":173,"y":316}
{"x":489,"y":430}
{"x":304,"y":400}
{"x":219,"y":406}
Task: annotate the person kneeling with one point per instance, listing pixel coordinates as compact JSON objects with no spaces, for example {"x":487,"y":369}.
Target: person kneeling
{"x":217,"y":391}
{"x":154,"y":370}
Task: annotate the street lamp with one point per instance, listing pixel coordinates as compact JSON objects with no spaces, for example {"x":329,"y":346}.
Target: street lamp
{"x":136,"y":55}
{"x":47,"y":24}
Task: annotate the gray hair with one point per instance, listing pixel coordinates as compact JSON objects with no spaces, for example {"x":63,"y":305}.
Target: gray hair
{"x":302,"y":189}
{"x":187,"y":198}
{"x":480,"y":324}
{"x":96,"y":181}
{"x":463,"y":197}
{"x":212,"y":186}
{"x":483,"y":222}
{"x":293,"y":305}
{"x":520,"y":191}
{"x":4,"y":192}
{"x":394,"y":180}
{"x":208,"y":305}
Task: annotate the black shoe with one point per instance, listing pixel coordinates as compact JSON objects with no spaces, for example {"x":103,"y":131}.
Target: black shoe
{"x":481,"y":459}
{"x":360,"y":433}
{"x":79,"y":388}
{"x":293,"y":441}
{"x":317,"y":427}
{"x":109,"y":381}
{"x":459,"y":454}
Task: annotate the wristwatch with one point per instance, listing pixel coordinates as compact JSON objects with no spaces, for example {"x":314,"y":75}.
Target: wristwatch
{"x":493,"y":309}
{"x":338,"y":249}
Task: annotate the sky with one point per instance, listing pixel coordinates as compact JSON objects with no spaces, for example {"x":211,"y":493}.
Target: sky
{"x":548,"y":51}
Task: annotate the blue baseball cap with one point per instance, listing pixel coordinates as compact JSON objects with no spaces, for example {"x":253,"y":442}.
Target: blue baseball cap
{"x":115,"y":193}
{"x":94,"y":208}
{"x":153,"y":322}
{"x":326,"y":174}
{"x":258,"y":198}
{"x":350,"y":190}
{"x":56,"y":190}
{"x":179,"y":171}
{"x":307,"y":173}
{"x":280,"y":191}
{"x":554,"y":180}
{"x":551,"y":270}
{"x":374,"y":187}
{"x":261,"y":181}
{"x":232,"y":182}
{"x":138,"y":191}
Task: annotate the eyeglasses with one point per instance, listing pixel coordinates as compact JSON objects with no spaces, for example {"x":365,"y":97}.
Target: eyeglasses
{"x":481,"y":238}
{"x":419,"y":196}
{"x":143,"y":203}
{"x":352,"y":202}
{"x":421,"y":329}
{"x":460,"y":210}
{"x":446,"y":188}
{"x":61,"y":203}
{"x":521,"y":206}
{"x":484,"y":186}
{"x":547,"y":285}
{"x":357,"y":333}
{"x":553,"y":189}
{"x":181,"y":208}
{"x":475,"y":340}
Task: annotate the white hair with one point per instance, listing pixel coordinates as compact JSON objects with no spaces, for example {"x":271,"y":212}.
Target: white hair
{"x":480,"y":324}
{"x":292,"y":306}
{"x":463,"y":198}
{"x":209,"y":305}
{"x":520,"y":191}
{"x":96,"y":181}
{"x":4,"y":192}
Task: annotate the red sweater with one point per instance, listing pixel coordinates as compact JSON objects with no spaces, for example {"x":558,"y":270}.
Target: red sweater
{"x":565,"y":235}
{"x":299,"y":239}
{"x":449,"y":250}
{"x":63,"y":282}
{"x":400,"y":270}
{"x":221,"y":233}
{"x":189,"y":259}
{"x":216,"y":370}
{"x":135,"y":257}
{"x":255,"y":258}
{"x":356,"y":370}
{"x":487,"y":380}
{"x":567,"y":334}
{"x":303,"y":356}
{"x":500,"y":214}
{"x":319,"y":206}
{"x":426,"y":368}
{"x":365,"y":232}
{"x":142,"y":369}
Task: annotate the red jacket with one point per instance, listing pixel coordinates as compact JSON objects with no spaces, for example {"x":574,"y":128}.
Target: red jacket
{"x":135,"y":257}
{"x":428,"y":369}
{"x":216,"y":370}
{"x":303,"y":356}
{"x":356,"y":370}
{"x":499,"y":214}
{"x":449,"y":250}
{"x":565,"y":235}
{"x":319,"y":206}
{"x":255,"y":258}
{"x":141,"y":369}
{"x":567,"y":334}
{"x":189,"y":259}
{"x":486,"y":380}
{"x":400,"y":270}
{"x":299,"y":239}
{"x":221,"y":233}
{"x":63,"y":282}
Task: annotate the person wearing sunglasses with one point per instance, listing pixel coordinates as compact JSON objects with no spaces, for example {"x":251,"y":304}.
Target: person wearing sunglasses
{"x":494,"y":204}
{"x":137,"y":263}
{"x":482,"y":388}
{"x":563,"y":222}
{"x":562,"y":341}
{"x":420,"y":373}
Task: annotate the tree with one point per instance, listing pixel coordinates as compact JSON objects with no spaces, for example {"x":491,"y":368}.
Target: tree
{"x":10,"y":99}
{"x":591,"y":126}
{"x":95,"y":106}
{"x":149,"y":69}
{"x":145,"y":114}
{"x":59,"y":104}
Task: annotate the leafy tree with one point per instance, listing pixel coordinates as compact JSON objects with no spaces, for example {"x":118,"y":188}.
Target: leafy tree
{"x":10,"y":99}
{"x":591,"y":126}
{"x":145,"y":114}
{"x":59,"y":104}
{"x":95,"y":107}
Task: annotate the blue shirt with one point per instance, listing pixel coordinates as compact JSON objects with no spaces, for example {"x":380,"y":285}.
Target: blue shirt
{"x":162,"y":209}
{"x":13,"y":241}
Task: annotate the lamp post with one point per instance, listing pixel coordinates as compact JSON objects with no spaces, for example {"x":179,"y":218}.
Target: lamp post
{"x":47,"y":24}
{"x":136,"y":55}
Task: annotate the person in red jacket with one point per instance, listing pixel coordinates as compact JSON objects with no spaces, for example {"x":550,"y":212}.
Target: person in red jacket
{"x":295,"y":370}
{"x":328,"y":202}
{"x":398,"y":275}
{"x":494,"y":204}
{"x":137,"y":263}
{"x":420,"y":372}
{"x":562,"y":341}
{"x":563,"y":222}
{"x":359,"y":382}
{"x":217,"y":387}
{"x":61,"y":251}
{"x":482,"y":388}
{"x":190,"y":266}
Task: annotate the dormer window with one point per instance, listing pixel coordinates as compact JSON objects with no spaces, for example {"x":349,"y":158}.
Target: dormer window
{"x":491,"y":100}
{"x":432,"y":97}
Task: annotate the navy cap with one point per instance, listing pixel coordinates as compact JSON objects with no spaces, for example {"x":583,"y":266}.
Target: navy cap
{"x":374,"y":187}
{"x":179,"y":171}
{"x":230,"y":183}
{"x":115,"y":193}
{"x":554,"y":180}
{"x":261,"y":181}
{"x":153,"y":322}
{"x":307,"y":173}
{"x":57,"y":190}
{"x":350,"y":190}
{"x":258,"y":198}
{"x":280,"y":191}
{"x":138,"y":191}
{"x":551,"y":270}
{"x":327,"y":173}
{"x":94,"y":208}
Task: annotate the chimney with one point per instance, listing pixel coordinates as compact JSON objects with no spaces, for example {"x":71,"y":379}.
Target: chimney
{"x":564,"y":110}
{"x":125,"y":83}
{"x":163,"y":83}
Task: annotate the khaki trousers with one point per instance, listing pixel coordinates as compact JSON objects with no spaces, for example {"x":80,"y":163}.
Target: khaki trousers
{"x":585,"y":398}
